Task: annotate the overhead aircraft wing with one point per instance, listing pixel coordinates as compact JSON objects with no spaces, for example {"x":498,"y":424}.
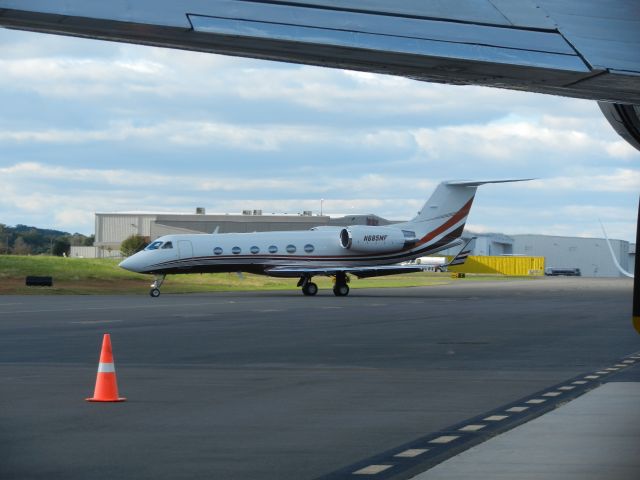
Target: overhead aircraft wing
{"x":575,"y":48}
{"x":360,"y":272}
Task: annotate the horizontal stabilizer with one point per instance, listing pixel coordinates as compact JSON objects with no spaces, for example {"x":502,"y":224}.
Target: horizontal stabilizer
{"x":460,"y":258}
{"x":483,"y":182}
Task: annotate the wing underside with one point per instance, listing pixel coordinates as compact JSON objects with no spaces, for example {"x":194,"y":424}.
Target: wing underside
{"x":360,"y":272}
{"x":586,"y":49}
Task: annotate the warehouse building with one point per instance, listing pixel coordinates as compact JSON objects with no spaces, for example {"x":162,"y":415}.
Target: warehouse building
{"x":590,"y":255}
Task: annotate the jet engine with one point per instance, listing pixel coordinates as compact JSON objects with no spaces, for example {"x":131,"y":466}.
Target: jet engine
{"x":362,"y":238}
{"x":625,"y":119}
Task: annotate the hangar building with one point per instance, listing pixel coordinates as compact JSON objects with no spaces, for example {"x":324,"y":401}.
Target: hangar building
{"x":590,"y":255}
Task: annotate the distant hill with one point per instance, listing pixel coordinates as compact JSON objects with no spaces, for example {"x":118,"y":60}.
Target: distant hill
{"x":29,"y":240}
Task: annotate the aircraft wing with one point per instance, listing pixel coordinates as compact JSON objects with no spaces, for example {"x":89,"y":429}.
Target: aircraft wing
{"x":360,"y":272}
{"x":576,"y":48}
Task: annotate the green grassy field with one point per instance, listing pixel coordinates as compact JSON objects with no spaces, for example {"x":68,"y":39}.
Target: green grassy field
{"x":103,"y":276}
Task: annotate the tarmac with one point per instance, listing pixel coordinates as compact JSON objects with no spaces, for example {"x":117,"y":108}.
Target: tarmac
{"x":274,"y":385}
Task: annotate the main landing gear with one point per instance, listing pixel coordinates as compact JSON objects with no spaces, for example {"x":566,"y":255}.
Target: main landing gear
{"x":308,"y":287}
{"x":155,"y":286}
{"x":341,"y":289}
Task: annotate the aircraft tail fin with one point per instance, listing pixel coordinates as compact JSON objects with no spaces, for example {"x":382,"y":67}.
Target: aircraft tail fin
{"x":444,"y":214}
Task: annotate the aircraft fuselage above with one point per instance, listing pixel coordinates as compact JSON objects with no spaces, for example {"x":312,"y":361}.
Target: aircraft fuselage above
{"x":584,"y":49}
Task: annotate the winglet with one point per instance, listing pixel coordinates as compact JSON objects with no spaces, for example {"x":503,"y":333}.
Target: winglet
{"x":613,"y":256}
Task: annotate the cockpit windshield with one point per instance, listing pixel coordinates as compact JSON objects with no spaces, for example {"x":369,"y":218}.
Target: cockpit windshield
{"x":154,"y":246}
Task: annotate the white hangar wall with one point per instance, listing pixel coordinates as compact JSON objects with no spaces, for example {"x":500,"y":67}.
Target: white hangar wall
{"x":590,"y":255}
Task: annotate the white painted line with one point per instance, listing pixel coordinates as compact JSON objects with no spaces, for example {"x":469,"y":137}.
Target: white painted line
{"x":621,"y":365}
{"x":613,"y":369}
{"x":517,"y":409}
{"x":411,"y":453}
{"x":91,"y":322}
{"x":629,"y":361}
{"x":372,"y":469}
{"x":471,"y":428}
{"x":444,"y":439}
{"x":579,"y":382}
{"x":124,"y":307}
{"x":601,"y":372}
{"x":496,"y":418}
{"x":566,"y":387}
{"x":592,"y":377}
{"x":536,"y":401}
{"x":552,"y":394}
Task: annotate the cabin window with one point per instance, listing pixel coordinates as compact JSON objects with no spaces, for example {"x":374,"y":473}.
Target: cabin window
{"x":235,"y":250}
{"x":255,"y":250}
{"x":167,"y":245}
{"x":154,"y":246}
{"x":309,"y":248}
{"x":217,"y":250}
{"x":291,"y":249}
{"x":273,"y":249}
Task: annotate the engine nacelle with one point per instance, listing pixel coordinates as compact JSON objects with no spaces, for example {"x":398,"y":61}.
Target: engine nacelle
{"x":625,"y":119}
{"x":362,"y":238}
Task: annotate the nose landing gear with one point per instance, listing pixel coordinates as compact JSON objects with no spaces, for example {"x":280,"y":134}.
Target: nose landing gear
{"x":308,"y":287}
{"x":155,"y":286}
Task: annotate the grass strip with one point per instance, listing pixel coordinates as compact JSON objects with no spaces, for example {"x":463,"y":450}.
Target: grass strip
{"x":103,"y":276}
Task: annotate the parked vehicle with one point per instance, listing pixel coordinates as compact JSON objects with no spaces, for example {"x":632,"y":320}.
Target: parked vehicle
{"x":567,"y":272}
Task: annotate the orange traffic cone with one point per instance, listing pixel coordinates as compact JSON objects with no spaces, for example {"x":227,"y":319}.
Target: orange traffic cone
{"x":106,"y":386}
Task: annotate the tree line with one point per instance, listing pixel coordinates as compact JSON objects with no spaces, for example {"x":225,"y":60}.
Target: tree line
{"x":28,"y":240}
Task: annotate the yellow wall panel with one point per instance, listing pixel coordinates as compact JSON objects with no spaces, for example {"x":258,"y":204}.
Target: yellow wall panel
{"x":502,"y":265}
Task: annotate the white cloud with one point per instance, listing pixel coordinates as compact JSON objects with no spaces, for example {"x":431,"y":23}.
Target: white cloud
{"x":621,"y":180}
{"x":197,"y":134}
{"x":514,"y":142}
{"x":365,"y":143}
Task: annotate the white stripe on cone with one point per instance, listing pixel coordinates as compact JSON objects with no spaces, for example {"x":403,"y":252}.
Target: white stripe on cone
{"x":106,"y":368}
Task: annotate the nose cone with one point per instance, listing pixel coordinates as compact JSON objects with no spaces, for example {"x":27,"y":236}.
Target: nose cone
{"x":132,"y":263}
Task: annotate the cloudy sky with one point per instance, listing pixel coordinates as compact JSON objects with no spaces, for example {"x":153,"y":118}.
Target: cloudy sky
{"x":90,"y":126}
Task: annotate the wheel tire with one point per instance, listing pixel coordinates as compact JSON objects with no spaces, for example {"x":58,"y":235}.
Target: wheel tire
{"x":154,"y":292}
{"x":310,"y":289}
{"x":341,"y":290}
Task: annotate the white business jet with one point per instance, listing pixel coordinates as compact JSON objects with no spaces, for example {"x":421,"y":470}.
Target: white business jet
{"x":363,"y":251}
